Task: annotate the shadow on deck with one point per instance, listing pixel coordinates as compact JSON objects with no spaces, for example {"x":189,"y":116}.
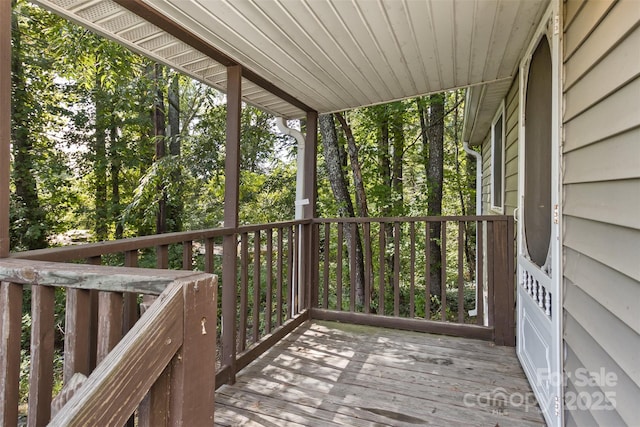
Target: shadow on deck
{"x":327,"y":373}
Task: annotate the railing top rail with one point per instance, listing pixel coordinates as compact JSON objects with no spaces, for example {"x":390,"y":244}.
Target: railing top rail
{"x":80,"y":276}
{"x":414,"y":219}
{"x":68,"y":253}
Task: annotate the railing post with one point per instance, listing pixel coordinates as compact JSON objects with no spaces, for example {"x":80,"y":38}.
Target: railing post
{"x":231,"y":198}
{"x":309,"y":257}
{"x":10,"y":330}
{"x":503,"y":282}
{"x":193,"y":372}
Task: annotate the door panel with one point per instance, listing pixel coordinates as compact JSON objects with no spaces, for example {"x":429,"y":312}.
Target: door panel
{"x":539,"y":340}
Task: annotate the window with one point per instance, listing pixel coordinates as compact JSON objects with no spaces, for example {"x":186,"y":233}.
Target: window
{"x":497,"y":161}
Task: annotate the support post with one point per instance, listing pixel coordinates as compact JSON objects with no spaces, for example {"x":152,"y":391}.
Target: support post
{"x":503,"y":283}
{"x":309,"y":212}
{"x":193,"y":368}
{"x":5,"y":123}
{"x":231,"y":198}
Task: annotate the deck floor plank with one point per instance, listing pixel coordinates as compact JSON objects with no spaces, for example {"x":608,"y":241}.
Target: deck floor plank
{"x":330,"y":374}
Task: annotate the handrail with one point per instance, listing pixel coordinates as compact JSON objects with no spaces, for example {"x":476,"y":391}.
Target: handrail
{"x":446,"y":218}
{"x":68,"y":253}
{"x":90,"y":277}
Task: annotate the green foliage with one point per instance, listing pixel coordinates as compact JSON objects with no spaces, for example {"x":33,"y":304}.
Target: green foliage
{"x":83,"y":107}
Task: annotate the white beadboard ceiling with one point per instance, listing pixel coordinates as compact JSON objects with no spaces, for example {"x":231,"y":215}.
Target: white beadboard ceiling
{"x":331,"y":55}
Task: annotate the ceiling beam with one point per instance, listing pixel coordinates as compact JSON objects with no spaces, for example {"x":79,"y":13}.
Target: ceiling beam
{"x":161,"y":21}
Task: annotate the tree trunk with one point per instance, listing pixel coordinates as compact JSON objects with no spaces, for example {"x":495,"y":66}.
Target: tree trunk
{"x":159,"y":133}
{"x":361,"y":198}
{"x":30,"y":231}
{"x":424,"y":133}
{"x":116,"y":165}
{"x":461,"y":182}
{"x":435,"y":179}
{"x":341,"y":193}
{"x":100,"y":159}
{"x":398,"y":152}
{"x":384,"y":161}
{"x":175,"y":205}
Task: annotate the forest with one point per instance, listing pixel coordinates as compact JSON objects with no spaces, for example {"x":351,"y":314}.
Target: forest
{"x":107,"y":144}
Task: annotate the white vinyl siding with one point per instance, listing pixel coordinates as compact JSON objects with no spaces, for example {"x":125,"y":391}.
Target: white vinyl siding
{"x":497,"y":161}
{"x":601,"y":201}
{"x":510,"y":157}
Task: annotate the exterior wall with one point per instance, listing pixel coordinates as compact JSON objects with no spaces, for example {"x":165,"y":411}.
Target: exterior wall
{"x":601,"y":209}
{"x":510,"y":155}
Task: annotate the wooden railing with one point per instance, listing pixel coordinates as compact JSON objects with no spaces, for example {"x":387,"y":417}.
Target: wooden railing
{"x":274,"y":277}
{"x":265,"y":301}
{"x":388,"y":282}
{"x":159,"y":367}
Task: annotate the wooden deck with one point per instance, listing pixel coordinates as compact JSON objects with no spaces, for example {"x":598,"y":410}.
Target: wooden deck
{"x":328,"y":374}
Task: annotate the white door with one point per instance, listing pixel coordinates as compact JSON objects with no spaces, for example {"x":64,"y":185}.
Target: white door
{"x":539,"y":309}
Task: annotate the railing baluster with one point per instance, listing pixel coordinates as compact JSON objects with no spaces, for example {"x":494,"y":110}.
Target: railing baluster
{"x":280,"y":274}
{"x":490,"y":272}
{"x":162,"y":257}
{"x":42,"y":342}
{"x":130,"y":309}
{"x":244,"y":288}
{"x":93,"y":320}
{"x":315,"y":266}
{"x":154,"y":408}
{"x":412,"y":269}
{"x":256,"y":286}
{"x":396,"y":269}
{"x":339,"y":269}
{"x":269,"y":282}
{"x":427,"y":270}
{"x":461,"y":272}
{"x":76,"y":334}
{"x":480,"y":272}
{"x":110,"y":306}
{"x":209,"y":255}
{"x":443,"y":272}
{"x":381,"y":261}
{"x":10,"y":331}
{"x":366,"y":229}
{"x":291,"y":270}
{"x":327,"y":258}
{"x":187,"y":255}
{"x":353,"y":266}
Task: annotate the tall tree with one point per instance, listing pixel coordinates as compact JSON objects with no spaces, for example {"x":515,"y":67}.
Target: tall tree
{"x":29,"y":224}
{"x":100,"y":160}
{"x":435,"y":175}
{"x":175,"y":203}
{"x":340,"y":189}
{"x":361,"y":196}
{"x":397,"y":122}
{"x":159,"y":132}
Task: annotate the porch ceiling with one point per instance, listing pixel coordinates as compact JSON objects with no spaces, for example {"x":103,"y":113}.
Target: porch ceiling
{"x":325,"y":55}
